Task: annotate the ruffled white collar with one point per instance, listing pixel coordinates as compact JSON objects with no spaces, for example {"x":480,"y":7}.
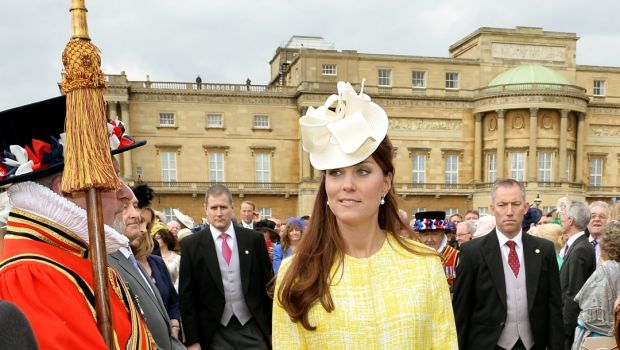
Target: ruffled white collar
{"x":40,"y":200}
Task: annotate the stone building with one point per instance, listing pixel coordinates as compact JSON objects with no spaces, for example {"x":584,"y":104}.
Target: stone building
{"x":505,"y":103}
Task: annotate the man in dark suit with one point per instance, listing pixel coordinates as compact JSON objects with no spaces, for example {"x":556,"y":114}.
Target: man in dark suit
{"x":145,"y":292}
{"x":223,"y":282}
{"x":579,"y":263}
{"x":507,"y":288}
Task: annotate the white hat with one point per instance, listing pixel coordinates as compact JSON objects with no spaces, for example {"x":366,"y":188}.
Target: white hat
{"x":345,"y":137}
{"x":184,"y":219}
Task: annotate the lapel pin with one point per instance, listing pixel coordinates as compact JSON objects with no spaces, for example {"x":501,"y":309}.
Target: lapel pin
{"x":247,"y":252}
{"x":537,"y":251}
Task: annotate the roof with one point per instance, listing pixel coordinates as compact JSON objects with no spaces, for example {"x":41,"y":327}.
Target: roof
{"x":528,"y":74}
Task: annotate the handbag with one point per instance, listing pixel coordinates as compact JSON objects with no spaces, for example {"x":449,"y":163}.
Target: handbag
{"x":599,"y":343}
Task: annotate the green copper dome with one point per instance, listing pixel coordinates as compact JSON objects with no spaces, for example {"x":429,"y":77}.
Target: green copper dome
{"x":529,"y":74}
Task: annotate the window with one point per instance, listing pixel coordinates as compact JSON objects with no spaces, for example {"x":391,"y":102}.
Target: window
{"x":329,"y":69}
{"x":596,"y":172}
{"x":452,"y":80}
{"x":544,"y":166}
{"x":491,"y":167}
{"x":598,"y":88}
{"x":261,"y":121}
{"x":452,"y":169}
{"x":419,"y":168}
{"x":418,"y":79}
{"x":264,"y":212}
{"x":169,"y":214}
{"x":517,"y":166}
{"x":263,"y":166}
{"x":167,"y":119}
{"x":216,"y":167}
{"x":547,"y":210}
{"x":384,"y":77}
{"x":215,"y":120}
{"x":483,"y":210}
{"x":168,"y":166}
{"x":451,"y":211}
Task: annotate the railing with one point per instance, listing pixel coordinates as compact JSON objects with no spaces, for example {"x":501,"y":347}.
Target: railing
{"x":531,"y":87}
{"x":233,"y":186}
{"x":211,"y":87}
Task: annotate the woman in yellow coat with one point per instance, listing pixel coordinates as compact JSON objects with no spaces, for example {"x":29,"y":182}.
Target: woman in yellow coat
{"x":354,"y":283}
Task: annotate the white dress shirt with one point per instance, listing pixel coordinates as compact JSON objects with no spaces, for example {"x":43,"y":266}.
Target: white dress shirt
{"x":518,"y":239}
{"x":230,"y":231}
{"x":570,"y":242}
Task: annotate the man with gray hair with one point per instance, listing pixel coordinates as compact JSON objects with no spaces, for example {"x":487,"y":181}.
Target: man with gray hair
{"x":600,"y":217}
{"x":465,"y":231}
{"x":578,"y":263}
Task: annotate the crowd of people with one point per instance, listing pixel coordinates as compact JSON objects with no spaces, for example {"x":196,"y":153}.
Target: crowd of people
{"x":358,"y":273}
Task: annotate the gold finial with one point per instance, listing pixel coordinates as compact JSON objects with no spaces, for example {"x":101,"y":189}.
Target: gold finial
{"x":78,"y":20}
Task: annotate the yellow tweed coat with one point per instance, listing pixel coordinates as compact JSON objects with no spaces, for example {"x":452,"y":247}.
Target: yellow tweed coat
{"x":391,"y":300}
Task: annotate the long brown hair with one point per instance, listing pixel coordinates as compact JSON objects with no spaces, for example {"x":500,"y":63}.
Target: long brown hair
{"x":309,"y":276}
{"x":286,"y":239}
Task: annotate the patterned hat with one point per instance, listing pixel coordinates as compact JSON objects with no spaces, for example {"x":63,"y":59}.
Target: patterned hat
{"x":32,"y":140}
{"x":431,"y":220}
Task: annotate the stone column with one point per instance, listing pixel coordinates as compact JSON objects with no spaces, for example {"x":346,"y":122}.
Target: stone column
{"x":501,"y":146}
{"x":127,"y":162}
{"x":306,"y":167}
{"x":532,"y":169}
{"x":478,"y":147}
{"x":581,"y":123}
{"x":563,"y":142}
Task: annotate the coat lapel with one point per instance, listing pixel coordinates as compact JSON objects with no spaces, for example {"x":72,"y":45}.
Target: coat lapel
{"x":244,"y":246}
{"x":533,"y":260}
{"x":493,"y":258}
{"x":213,"y":264}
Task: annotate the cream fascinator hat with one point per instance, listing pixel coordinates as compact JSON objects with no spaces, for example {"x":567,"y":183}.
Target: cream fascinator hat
{"x":184,"y":219}
{"x":347,"y":136}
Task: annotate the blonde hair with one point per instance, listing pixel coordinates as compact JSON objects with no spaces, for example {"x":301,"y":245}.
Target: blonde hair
{"x":550,"y":232}
{"x":144,"y":248}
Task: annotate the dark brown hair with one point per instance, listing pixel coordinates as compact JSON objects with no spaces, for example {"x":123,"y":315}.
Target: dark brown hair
{"x":286,"y":240}
{"x":308,"y":278}
{"x":167,"y":238}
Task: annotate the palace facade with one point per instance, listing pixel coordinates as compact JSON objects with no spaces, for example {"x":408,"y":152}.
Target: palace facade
{"x":505,"y":103}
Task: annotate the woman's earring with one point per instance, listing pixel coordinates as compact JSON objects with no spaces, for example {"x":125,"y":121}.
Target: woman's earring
{"x":382,"y":201}
{"x":327,"y":203}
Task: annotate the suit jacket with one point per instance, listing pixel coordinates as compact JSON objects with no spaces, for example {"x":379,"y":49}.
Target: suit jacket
{"x":154,"y":311}
{"x":480,"y":293}
{"x":579,"y":263}
{"x":164,"y":285}
{"x":202,"y":291}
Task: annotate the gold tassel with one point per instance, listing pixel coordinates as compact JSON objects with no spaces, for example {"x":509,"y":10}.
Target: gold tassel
{"x":88,"y":161}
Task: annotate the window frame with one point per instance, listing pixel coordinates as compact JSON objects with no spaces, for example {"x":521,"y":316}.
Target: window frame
{"x":380,"y":77}
{"x":451,"y":176}
{"x":213,"y":126}
{"x":259,"y":170}
{"x":414,"y":79}
{"x":593,"y":176}
{"x":599,"y":91}
{"x":519,"y":171}
{"x":172,"y":116}
{"x":168,"y":168}
{"x":256,"y":118}
{"x":219,"y":168}
{"x":455,"y":82}
{"x":418,"y":172}
{"x":491,"y":174}
{"x":545,"y":174}
{"x":326,"y":71}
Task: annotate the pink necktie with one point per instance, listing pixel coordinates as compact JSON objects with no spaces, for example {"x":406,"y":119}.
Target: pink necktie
{"x":513,"y":258}
{"x":226,"y":251}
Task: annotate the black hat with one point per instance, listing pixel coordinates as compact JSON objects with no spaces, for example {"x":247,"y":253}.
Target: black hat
{"x":34,"y":132}
{"x":431,"y":220}
{"x":266,"y":225}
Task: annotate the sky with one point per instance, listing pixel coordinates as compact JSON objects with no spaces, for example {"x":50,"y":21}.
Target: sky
{"x":228,"y":41}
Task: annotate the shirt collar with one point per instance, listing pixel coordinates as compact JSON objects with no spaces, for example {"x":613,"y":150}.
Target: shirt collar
{"x":574,"y":238}
{"x":518,"y":239}
{"x":230,"y":231}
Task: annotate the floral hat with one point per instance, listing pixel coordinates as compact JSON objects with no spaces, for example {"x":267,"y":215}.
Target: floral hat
{"x":431,"y":220}
{"x":346,"y":136}
{"x":32,"y":140}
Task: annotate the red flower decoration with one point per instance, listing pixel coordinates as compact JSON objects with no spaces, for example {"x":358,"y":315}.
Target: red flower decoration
{"x":39,"y":148}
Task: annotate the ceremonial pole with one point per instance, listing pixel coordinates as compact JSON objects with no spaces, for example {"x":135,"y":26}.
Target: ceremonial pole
{"x":88,"y":161}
